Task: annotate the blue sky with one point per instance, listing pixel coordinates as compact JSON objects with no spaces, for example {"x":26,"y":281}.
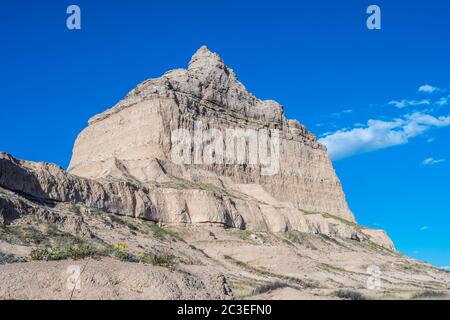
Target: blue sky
{"x":356,"y":89}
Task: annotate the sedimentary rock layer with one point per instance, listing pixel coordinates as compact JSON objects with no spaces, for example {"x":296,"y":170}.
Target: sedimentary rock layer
{"x":134,"y":139}
{"x":40,"y":185}
{"x":124,"y":163}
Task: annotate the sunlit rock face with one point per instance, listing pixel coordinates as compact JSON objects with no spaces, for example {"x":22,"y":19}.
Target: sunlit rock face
{"x":243,"y":164}
{"x":134,"y":139}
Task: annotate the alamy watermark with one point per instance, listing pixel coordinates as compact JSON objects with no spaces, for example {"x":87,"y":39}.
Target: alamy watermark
{"x":374,"y":20}
{"x":210,"y":146}
{"x":73,"y":21}
{"x":73,"y":281}
{"x":374,"y":279}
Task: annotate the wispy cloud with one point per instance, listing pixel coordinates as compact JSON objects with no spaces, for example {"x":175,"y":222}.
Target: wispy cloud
{"x":442,"y":101}
{"x":340,"y":114}
{"x":380,"y":134}
{"x":430,"y":161}
{"x":445,"y":267}
{"x":400,"y":104}
{"x":426,"y":88}
{"x":423,"y":228}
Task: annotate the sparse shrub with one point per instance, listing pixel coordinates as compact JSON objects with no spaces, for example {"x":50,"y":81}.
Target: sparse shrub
{"x":76,"y":209}
{"x":300,"y":238}
{"x":268,"y":287}
{"x":22,"y":235}
{"x":158,"y":259}
{"x":264,"y":272}
{"x":81,"y":252}
{"x":10,"y":258}
{"x":121,"y":253}
{"x":158,"y":232}
{"x":124,"y":221}
{"x":162,"y":233}
{"x":295,"y":236}
{"x":39,"y":254}
{"x":350,"y":295}
{"x":244,"y":234}
{"x":429,"y":294}
{"x":75,"y":252}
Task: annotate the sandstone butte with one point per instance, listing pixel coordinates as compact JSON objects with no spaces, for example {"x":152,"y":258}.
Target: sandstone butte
{"x":121,"y":166}
{"x":121,"y":162}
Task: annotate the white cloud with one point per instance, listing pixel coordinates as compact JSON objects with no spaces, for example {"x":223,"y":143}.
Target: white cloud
{"x":380,"y":134}
{"x":445,"y":267}
{"x":442,"y":101}
{"x":426,"y":88}
{"x":423,"y":228}
{"x":409,"y":103}
{"x":432,"y":161}
{"x":340,"y":114}
{"x":429,"y":140}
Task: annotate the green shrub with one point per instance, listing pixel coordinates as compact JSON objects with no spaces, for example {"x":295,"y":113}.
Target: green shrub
{"x":39,"y":254}
{"x":268,"y":287}
{"x":244,"y":234}
{"x":429,"y":294}
{"x":61,"y":253}
{"x":22,"y":235}
{"x":121,"y":253}
{"x":350,"y":295}
{"x":158,"y":259}
{"x":301,"y":238}
{"x":10,"y":258}
{"x":162,"y":233}
{"x":76,"y":209}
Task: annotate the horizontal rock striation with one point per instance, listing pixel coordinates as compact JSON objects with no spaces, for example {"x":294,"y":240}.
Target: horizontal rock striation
{"x":40,"y":185}
{"x":137,"y":134}
{"x":123,"y":163}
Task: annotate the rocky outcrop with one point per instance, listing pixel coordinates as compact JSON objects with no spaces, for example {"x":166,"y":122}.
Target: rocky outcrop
{"x":48,"y":182}
{"x":149,"y":226}
{"x":135,"y":138}
{"x":124,"y":163}
{"x":185,"y":202}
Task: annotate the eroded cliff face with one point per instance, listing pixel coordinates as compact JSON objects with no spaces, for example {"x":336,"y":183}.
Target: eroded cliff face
{"x":127,"y":162}
{"x":134,"y":140}
{"x":195,"y":228}
{"x":40,"y":186}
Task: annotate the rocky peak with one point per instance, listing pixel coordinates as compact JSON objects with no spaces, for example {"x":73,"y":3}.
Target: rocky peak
{"x":204,"y":58}
{"x":205,"y":62}
{"x":210,"y":69}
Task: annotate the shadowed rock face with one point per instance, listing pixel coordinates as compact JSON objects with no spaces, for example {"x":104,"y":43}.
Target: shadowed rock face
{"x":122,"y":163}
{"x":40,"y":185}
{"x":134,"y":138}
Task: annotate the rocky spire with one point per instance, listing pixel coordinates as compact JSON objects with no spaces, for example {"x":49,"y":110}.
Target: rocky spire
{"x":205,"y":58}
{"x":207,"y":64}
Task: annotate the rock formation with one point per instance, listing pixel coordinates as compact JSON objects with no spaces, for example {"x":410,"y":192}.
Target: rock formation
{"x":123,"y":161}
{"x":192,"y":171}
{"x":133,"y":139}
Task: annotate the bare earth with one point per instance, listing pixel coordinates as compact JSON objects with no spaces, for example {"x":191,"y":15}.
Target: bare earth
{"x":208,"y":262}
